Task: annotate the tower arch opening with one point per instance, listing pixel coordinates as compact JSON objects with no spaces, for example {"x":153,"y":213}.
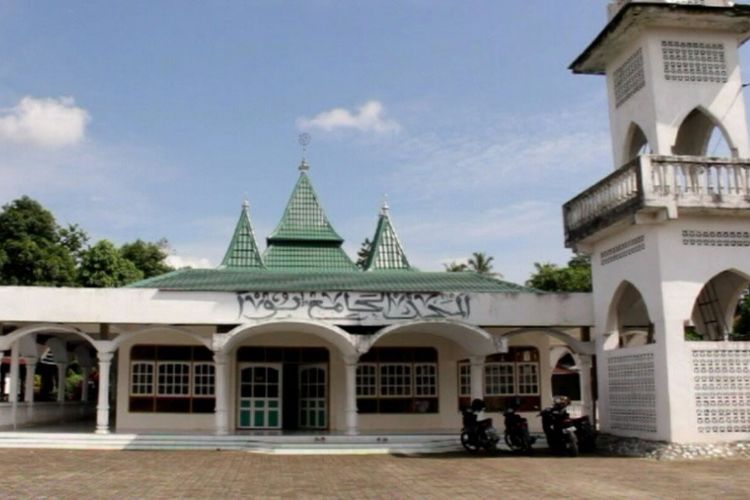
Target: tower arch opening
{"x":629,"y":321}
{"x":636,"y":143}
{"x":700,"y":134}
{"x":721,"y":310}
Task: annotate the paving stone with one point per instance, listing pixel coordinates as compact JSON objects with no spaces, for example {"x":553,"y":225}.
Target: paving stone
{"x":210,"y":474}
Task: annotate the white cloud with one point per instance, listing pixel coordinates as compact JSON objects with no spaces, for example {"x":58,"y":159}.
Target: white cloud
{"x":179,"y":261}
{"x":370,"y":117}
{"x":44,"y":122}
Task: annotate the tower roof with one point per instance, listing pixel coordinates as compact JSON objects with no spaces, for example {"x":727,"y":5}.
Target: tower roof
{"x":243,"y":251}
{"x":386,"y":251}
{"x":629,"y":20}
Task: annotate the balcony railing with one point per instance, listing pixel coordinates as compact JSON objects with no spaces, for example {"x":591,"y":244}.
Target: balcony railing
{"x":652,"y":182}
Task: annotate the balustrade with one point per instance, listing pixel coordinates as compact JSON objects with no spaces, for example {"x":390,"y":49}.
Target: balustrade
{"x":670,"y":182}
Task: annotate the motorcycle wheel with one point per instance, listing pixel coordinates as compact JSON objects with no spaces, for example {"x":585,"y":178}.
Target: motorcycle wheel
{"x":467,"y":444}
{"x":572,"y":445}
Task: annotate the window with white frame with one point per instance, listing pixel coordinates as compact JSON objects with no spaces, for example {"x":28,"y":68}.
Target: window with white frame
{"x":464,"y":380}
{"x":367,"y":380}
{"x":395,"y":380}
{"x":398,"y":380}
{"x":510,"y":379}
{"x":173,"y":379}
{"x":141,"y":378}
{"x":499,"y":379}
{"x":425,"y":379}
{"x":203,"y":379}
{"x":528,"y":378}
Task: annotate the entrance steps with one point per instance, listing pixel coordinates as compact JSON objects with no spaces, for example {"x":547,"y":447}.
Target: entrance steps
{"x":329,"y":444}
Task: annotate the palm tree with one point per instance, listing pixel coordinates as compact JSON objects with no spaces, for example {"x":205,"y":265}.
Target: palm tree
{"x":481,"y":263}
{"x":456,"y":267}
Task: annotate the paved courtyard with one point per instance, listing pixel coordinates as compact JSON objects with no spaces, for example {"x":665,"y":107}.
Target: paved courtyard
{"x":133,"y":474}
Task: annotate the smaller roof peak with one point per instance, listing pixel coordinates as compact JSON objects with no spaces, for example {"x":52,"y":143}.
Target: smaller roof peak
{"x":386,"y":250}
{"x":243,"y":251}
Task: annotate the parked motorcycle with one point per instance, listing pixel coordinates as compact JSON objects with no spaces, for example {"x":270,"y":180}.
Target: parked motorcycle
{"x":565,"y":434}
{"x":517,"y":435}
{"x":478,"y":434}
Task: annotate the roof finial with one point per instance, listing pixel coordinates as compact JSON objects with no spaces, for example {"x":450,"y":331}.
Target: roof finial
{"x":384,"y":208}
{"x":304,"y":139}
{"x":245,"y":203}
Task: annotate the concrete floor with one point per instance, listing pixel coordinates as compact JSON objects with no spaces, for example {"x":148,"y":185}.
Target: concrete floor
{"x":102,"y":474}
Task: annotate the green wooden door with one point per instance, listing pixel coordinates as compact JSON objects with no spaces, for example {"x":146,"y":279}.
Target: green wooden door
{"x":260,"y":396}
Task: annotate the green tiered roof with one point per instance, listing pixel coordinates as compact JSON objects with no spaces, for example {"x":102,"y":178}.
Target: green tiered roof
{"x":230,"y":280}
{"x":304,"y":254}
{"x":386,"y":251}
{"x":304,"y":240}
{"x":243,"y":251}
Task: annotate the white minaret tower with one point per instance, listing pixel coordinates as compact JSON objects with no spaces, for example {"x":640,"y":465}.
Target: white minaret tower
{"x":673,"y":74}
{"x":669,"y":230}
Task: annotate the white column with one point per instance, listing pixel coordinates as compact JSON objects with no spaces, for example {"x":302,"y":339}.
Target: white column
{"x":28,"y":390}
{"x":14,"y":373}
{"x":85,"y":374}
{"x":584,"y":377}
{"x":350,"y":387}
{"x":62,"y":370}
{"x":102,"y":407}
{"x":477,"y":377}
{"x":221,"y":393}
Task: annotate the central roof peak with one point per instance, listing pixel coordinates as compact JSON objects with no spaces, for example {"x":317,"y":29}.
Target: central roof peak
{"x":304,"y":238}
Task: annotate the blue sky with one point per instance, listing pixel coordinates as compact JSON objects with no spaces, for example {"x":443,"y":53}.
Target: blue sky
{"x":154,"y":119}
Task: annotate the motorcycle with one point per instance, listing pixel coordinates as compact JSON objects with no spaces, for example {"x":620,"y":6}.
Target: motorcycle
{"x":478,"y":434}
{"x":517,"y":435}
{"x":566,"y":434}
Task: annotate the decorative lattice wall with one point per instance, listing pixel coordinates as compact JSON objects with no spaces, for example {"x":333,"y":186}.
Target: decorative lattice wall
{"x":623,"y":250}
{"x":694,"y":61}
{"x":722,"y":389}
{"x":632,"y":392}
{"x":629,"y":78}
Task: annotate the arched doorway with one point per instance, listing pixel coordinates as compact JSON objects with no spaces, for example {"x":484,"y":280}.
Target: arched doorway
{"x":629,"y":321}
{"x":636,"y":143}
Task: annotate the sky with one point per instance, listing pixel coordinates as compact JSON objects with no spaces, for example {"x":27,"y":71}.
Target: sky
{"x":152,"y":120}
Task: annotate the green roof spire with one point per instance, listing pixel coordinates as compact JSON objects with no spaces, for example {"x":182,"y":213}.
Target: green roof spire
{"x":386,"y":251}
{"x":243,"y":251}
{"x":304,"y":240}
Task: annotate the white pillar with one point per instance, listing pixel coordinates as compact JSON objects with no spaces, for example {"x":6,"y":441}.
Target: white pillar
{"x":28,"y":390}
{"x":584,"y":377}
{"x":14,"y":373}
{"x":350,"y":388}
{"x":62,"y":370}
{"x":477,"y":377}
{"x":102,"y":407}
{"x":85,"y":373}
{"x":221,"y":393}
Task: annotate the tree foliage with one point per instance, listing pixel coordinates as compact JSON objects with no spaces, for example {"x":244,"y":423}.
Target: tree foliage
{"x":149,"y":258}
{"x":364,"y":253}
{"x":742,"y":317}
{"x":575,"y":277}
{"x":456,"y":267}
{"x":35,"y":250}
{"x":32,"y":247}
{"x":103,"y":265}
{"x":479,"y":262}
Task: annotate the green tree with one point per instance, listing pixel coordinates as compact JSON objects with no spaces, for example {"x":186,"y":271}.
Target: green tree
{"x":75,"y":240}
{"x":364,"y":253}
{"x":149,"y":258}
{"x":481,"y":263}
{"x":575,"y":277}
{"x":103,"y":265}
{"x":32,"y":247}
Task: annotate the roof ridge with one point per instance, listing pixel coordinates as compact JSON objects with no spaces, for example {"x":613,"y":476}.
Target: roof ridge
{"x":243,"y":251}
